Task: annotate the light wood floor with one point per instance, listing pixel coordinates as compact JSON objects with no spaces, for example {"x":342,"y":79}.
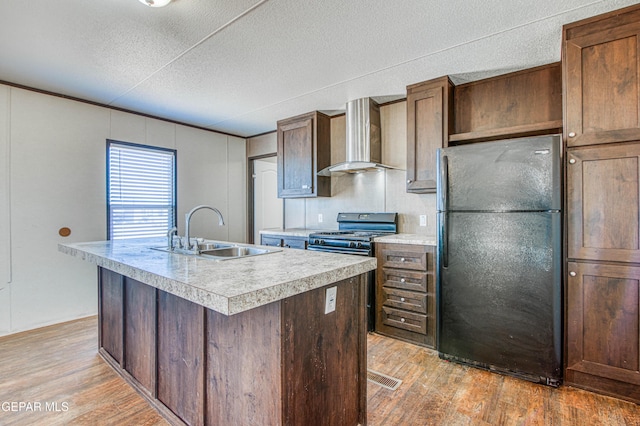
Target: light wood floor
{"x":59,"y":365}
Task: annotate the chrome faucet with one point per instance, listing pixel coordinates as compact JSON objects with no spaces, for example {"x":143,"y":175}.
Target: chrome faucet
{"x":187,"y":243}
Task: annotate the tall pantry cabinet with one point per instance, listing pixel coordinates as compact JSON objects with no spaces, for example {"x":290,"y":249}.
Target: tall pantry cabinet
{"x":601,"y":68}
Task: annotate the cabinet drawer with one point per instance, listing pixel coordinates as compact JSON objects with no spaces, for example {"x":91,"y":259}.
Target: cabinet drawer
{"x":271,"y":241}
{"x":404,"y":257}
{"x":403,"y":319}
{"x":407,"y":280}
{"x":409,"y":300}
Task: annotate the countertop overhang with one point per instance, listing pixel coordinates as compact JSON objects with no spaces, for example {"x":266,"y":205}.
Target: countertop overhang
{"x":227,"y":286}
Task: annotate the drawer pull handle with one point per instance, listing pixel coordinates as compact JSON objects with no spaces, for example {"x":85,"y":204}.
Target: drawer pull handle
{"x":402,"y":299}
{"x":401,"y":319}
{"x":573,"y":274}
{"x":402,"y":259}
{"x":572,"y":161}
{"x":572,"y":134}
{"x":402,"y":280}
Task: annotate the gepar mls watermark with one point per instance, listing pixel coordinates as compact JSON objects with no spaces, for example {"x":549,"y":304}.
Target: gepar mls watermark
{"x":33,"y":406}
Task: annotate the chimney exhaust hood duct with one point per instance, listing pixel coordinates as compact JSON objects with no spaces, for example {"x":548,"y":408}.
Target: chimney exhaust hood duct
{"x":364,"y":145}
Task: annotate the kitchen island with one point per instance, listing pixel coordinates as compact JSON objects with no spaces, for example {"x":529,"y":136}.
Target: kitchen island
{"x":240,"y":341}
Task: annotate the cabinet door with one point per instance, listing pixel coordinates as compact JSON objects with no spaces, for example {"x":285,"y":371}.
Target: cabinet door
{"x":602,"y":326}
{"x":180,"y":362}
{"x":296,"y":243}
{"x":140,"y":332}
{"x":603,"y":203}
{"x":427,"y":130}
{"x":270,"y":241}
{"x":111,"y":326}
{"x":295,"y":158}
{"x":602,"y":71}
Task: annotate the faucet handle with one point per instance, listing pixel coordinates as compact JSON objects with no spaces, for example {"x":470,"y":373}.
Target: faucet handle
{"x":171,"y":233}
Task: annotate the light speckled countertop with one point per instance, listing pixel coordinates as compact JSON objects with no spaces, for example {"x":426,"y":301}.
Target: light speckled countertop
{"x":228,"y":286}
{"x":407,"y":239}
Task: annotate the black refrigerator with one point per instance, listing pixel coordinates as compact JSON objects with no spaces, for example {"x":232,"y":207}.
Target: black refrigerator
{"x":499,"y":257}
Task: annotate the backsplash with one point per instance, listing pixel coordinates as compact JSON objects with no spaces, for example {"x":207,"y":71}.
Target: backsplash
{"x":370,"y":192}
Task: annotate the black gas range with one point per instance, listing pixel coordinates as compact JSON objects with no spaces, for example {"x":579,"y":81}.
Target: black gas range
{"x":355,"y":234}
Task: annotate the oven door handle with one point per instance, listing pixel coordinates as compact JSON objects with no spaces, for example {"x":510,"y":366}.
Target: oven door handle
{"x":363,"y":252}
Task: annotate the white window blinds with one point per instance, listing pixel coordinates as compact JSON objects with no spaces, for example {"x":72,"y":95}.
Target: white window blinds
{"x":141,"y":200}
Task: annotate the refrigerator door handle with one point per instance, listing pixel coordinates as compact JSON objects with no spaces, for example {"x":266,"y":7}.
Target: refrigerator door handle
{"x":443,"y":204}
{"x":444,"y":238}
{"x":442,"y":182}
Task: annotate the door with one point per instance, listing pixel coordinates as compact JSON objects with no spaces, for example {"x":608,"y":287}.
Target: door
{"x":268,"y":208}
{"x":296,"y":157}
{"x":602,"y":90}
{"x":428,"y":107}
{"x":603,"y":203}
{"x":602,"y":323}
{"x":515,"y":174}
{"x":500,"y":290}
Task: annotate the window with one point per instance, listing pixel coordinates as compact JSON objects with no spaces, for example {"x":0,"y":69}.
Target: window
{"x":141,"y":190}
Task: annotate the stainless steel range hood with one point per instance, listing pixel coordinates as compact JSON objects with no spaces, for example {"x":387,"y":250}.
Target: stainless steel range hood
{"x":364,"y":147}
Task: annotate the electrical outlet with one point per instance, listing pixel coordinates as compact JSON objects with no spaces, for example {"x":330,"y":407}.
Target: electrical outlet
{"x":320,"y":218}
{"x":423,"y":220}
{"x":330,"y":300}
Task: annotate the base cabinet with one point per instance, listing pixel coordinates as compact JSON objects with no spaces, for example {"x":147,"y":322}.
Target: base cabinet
{"x":285,"y":363}
{"x":405,"y":293}
{"x":603,"y":336}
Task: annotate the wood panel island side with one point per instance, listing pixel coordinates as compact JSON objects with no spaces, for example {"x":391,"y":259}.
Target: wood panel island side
{"x":240,"y":341}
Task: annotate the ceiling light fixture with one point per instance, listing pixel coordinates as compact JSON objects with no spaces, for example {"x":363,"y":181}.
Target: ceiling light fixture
{"x":155,"y":3}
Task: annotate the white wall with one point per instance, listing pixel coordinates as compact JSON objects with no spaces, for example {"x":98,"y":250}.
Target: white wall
{"x":5,"y":238}
{"x":53,"y":175}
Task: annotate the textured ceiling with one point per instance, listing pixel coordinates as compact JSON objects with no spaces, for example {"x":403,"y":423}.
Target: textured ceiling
{"x":239,"y":66}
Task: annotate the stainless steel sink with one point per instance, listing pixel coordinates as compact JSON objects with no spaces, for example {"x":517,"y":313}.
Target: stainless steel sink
{"x":212,"y":246}
{"x":221,"y":251}
{"x":206,"y":246}
{"x":235,"y":252}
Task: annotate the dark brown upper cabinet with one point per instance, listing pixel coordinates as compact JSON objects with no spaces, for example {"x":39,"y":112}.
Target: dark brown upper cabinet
{"x":304,"y":148}
{"x":518,"y":104}
{"x":429,"y":112}
{"x":601,"y":72}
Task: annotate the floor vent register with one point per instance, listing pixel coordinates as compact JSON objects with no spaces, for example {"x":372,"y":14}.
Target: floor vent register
{"x":383,"y":380}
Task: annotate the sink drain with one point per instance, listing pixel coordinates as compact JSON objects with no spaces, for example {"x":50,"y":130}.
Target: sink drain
{"x":383,"y":380}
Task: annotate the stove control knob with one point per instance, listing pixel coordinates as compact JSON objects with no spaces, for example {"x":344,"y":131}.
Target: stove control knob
{"x":321,"y":242}
{"x":316,"y":241}
{"x":352,"y":244}
{"x":359,"y":245}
